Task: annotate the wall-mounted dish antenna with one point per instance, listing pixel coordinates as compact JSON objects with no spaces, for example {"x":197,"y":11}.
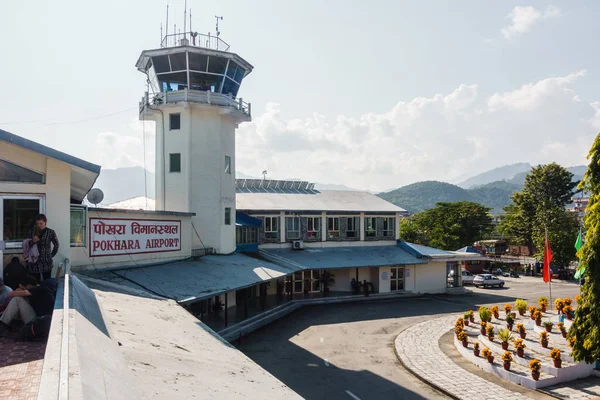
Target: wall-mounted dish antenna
{"x":95,"y":196}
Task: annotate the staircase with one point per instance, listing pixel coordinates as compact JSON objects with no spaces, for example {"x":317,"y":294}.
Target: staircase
{"x":519,"y":371}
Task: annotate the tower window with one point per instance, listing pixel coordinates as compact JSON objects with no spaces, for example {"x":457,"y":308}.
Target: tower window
{"x":174,"y":121}
{"x":175,"y":162}
{"x":228,"y":165}
{"x":227,"y":216}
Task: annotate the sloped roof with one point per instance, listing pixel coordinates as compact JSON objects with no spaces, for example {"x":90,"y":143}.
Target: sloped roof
{"x":342,"y":257}
{"x":324,"y":200}
{"x":83,"y":173}
{"x":429,"y":252}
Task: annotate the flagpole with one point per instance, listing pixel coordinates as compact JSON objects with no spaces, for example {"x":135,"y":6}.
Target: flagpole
{"x":546,"y":251}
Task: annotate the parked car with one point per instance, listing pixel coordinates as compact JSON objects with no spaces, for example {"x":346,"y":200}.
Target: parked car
{"x":487,"y":280}
{"x":467,"y":277}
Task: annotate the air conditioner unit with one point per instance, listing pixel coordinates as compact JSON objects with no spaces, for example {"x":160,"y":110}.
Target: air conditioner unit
{"x":298,"y":245}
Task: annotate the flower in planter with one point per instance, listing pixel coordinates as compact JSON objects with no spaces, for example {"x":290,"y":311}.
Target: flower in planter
{"x":543,"y":301}
{"x":567,"y":301}
{"x":520,"y":328}
{"x":567,"y":310}
{"x":459,"y":326}
{"x":548,"y":325}
{"x":535,"y":365}
{"x":510,"y":320}
{"x":507,"y":357}
{"x":462,"y":336}
{"x":475,"y":346}
{"x":469,"y":314}
{"x":544,"y":339}
{"x":559,"y":304}
{"x":519,"y":344}
{"x":555,"y":354}
{"x":561,"y":328}
{"x":532,"y":310}
{"x":521,"y":306}
{"x":507,"y":308}
{"x":505,"y":335}
{"x":494,"y":310}
{"x":489,"y":329}
{"x":486,"y":352}
{"x":466,"y":317}
{"x":537,"y":315}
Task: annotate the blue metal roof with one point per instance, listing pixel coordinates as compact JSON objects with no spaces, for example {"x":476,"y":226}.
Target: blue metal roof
{"x":468,"y":249}
{"x":47,"y":151}
{"x":243,"y":219}
{"x":342,"y":257}
{"x":424,"y":251}
{"x":191,"y":280}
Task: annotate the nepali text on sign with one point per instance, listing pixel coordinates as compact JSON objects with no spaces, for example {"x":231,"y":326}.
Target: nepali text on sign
{"x":115,"y":236}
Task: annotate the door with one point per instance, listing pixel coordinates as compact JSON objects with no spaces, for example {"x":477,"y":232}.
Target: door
{"x":396,"y":279}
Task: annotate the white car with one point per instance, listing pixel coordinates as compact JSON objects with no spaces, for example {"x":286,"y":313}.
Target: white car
{"x":467,"y":277}
{"x":487,"y":280}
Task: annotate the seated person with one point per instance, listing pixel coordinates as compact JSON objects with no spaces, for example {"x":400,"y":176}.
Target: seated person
{"x":29,"y":301}
{"x":14,"y":273}
{"x":4,"y":291}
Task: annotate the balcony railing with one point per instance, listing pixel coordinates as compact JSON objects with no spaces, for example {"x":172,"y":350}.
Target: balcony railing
{"x":196,"y":96}
{"x":194,"y":39}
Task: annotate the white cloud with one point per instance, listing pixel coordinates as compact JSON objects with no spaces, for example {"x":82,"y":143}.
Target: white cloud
{"x":523,"y":18}
{"x":113,"y":150}
{"x":438,"y":137}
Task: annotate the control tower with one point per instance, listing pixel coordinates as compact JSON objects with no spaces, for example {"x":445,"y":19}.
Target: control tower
{"x":193,"y":96}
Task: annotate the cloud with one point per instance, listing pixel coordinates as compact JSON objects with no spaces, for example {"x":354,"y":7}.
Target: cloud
{"x":438,"y":137}
{"x":114,"y":150}
{"x":523,"y":18}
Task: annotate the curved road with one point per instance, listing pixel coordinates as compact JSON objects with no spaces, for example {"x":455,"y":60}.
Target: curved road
{"x":345,"y":351}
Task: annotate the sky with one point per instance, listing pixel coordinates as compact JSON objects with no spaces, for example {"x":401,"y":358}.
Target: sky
{"x":373,"y":95}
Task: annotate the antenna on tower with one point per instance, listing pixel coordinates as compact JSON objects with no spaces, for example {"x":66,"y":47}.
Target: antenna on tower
{"x":184,"y":17}
{"x":264,"y":174}
{"x":217,"y":17}
{"x":166,"y":27}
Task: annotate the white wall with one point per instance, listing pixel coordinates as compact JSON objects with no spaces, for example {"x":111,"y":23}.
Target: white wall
{"x":343,"y":276}
{"x":431,"y":277}
{"x":80,"y":258}
{"x":231,"y":299}
{"x":206,"y":136}
{"x":56,"y":192}
{"x":384,"y":279}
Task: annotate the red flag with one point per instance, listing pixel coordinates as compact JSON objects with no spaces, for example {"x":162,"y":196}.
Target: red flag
{"x":547,"y":259}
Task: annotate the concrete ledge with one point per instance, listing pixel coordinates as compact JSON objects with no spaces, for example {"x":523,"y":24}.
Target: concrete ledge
{"x":233,"y":332}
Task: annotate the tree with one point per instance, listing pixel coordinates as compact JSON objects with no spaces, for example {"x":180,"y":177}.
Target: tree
{"x":586,"y":326}
{"x":448,"y":226}
{"x":540,"y":206}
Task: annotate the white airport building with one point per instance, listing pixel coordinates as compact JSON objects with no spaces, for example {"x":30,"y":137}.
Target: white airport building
{"x":229,"y":251}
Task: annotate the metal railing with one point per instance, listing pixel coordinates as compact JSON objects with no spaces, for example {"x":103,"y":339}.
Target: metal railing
{"x":196,"y":96}
{"x":194,"y":39}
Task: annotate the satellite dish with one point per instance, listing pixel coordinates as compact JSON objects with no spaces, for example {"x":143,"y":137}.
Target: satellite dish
{"x":95,"y":196}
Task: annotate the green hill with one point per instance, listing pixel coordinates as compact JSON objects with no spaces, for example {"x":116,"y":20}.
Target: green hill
{"x":424,"y":195}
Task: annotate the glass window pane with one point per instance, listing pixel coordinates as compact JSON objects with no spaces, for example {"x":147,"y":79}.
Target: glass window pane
{"x":198,"y":62}
{"x":161,"y":64}
{"x":175,"y":162}
{"x":230,"y":87}
{"x":231,"y":69}
{"x":205,"y":82}
{"x":217,"y":64}
{"x":178,"y":62}
{"x":19,"y":216}
{"x":239,"y":74}
{"x":298,"y":286}
{"x":298,"y":275}
{"x":394,"y":272}
{"x":77,"y":227}
{"x":173,"y":81}
{"x":393,"y":285}
{"x":10,"y":172}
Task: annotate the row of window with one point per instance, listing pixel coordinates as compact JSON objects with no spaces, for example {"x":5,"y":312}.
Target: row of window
{"x":175,"y":163}
{"x":293,"y":229}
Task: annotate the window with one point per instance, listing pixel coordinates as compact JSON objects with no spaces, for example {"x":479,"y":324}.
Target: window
{"x":389,"y":226}
{"x":246,"y":235}
{"x":352,"y":223}
{"x":306,"y":281}
{"x":292,"y":228}
{"x":18,"y":215}
{"x":271,"y":227}
{"x":78,"y":226}
{"x":397,"y":279}
{"x":174,"y":121}
{"x":228,"y":165}
{"x":227,"y":216}
{"x":175,"y":162}
{"x":10,"y":172}
{"x":370,"y":227}
{"x":333,"y":227}
{"x":453,"y":271}
{"x":313,"y":228}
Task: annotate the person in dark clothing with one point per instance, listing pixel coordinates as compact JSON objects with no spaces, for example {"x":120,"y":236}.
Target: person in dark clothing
{"x":14,"y":273}
{"x":29,"y":301}
{"x":47,"y":243}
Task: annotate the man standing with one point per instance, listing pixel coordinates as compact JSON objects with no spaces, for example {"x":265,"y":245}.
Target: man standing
{"x":47,"y":243}
{"x":28,"y":302}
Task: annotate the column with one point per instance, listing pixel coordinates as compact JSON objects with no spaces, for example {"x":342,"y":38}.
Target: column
{"x":323,"y":227}
{"x":362,"y":226}
{"x":397,"y":225}
{"x":282,"y":227}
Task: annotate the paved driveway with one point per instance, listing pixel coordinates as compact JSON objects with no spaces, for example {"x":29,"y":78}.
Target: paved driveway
{"x":345,"y":351}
